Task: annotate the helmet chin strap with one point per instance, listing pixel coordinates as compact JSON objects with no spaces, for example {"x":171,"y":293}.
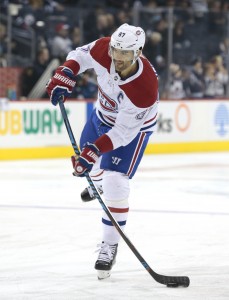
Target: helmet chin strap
{"x":135,"y":59}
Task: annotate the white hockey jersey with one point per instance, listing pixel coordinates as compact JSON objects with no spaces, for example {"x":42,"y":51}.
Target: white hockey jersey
{"x":128,"y":106}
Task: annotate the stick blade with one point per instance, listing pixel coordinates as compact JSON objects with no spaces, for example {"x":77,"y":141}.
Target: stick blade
{"x":170,"y":281}
{"x":178,"y":281}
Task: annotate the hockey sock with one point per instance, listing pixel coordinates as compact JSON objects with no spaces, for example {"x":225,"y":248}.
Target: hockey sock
{"x":119,"y":210}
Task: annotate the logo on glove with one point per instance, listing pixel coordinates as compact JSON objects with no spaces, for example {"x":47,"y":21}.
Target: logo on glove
{"x":79,"y":169}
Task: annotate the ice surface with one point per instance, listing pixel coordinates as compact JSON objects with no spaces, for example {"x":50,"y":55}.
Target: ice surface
{"x":178,"y":221}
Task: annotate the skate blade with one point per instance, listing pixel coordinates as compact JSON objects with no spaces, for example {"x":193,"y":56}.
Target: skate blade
{"x":103,"y":274}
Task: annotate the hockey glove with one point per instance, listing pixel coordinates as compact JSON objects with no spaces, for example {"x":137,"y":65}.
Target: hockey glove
{"x":60,"y":86}
{"x":86,"y":160}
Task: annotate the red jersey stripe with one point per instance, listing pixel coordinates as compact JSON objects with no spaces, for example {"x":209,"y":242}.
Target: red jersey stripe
{"x":151,"y":119}
{"x":94,"y":176}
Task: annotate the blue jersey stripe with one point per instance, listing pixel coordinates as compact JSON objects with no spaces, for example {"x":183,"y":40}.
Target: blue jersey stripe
{"x":105,"y":122}
{"x":147,"y":127}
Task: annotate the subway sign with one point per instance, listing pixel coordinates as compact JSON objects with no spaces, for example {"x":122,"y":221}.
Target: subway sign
{"x":38,"y":124}
{"x":30,"y":122}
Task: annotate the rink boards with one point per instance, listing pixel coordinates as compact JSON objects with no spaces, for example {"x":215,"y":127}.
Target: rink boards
{"x":35,"y":129}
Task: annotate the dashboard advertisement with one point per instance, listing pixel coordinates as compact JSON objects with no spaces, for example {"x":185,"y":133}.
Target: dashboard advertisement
{"x":35,"y":128}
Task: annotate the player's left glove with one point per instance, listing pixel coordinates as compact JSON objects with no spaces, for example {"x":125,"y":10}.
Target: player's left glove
{"x":86,"y":160}
{"x":60,"y":86}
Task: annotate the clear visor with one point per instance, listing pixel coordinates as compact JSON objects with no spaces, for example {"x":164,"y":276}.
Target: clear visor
{"x":119,"y":54}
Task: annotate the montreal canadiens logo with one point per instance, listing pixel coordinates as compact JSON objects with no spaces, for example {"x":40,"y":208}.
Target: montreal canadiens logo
{"x":107,"y":103}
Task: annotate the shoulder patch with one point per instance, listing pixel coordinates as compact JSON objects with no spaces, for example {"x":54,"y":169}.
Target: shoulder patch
{"x":99,"y":52}
{"x":143,"y":91}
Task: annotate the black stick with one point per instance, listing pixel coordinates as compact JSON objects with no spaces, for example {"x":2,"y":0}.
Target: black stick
{"x":170,"y":281}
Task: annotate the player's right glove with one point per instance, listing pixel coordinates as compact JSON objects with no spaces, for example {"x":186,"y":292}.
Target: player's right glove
{"x":60,"y":86}
{"x":86,"y":160}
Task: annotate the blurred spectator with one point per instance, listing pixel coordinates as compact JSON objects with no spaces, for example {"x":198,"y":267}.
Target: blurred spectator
{"x":162,"y":27}
{"x":225,"y":6}
{"x":216,"y":77}
{"x":170,"y":3}
{"x":149,"y":20}
{"x":184,"y":4}
{"x":32,"y":74}
{"x":183,"y":12}
{"x":125,"y":4}
{"x":180,"y":40}
{"x":54,"y":7}
{"x":123,"y":16}
{"x":111,"y":23}
{"x":176,"y":88}
{"x":210,"y":81}
{"x":217,"y":18}
{"x":224,"y":49}
{"x":30,"y":13}
{"x":90,"y":29}
{"x":33,"y":11}
{"x":105,"y":24}
{"x":181,"y":43}
{"x":217,"y":61}
{"x":3,"y":45}
{"x":29,"y":24}
{"x":194,"y":83}
{"x":154,"y":51}
{"x":200,"y":7}
{"x":61,"y":44}
{"x":76,"y":37}
{"x":151,"y":4}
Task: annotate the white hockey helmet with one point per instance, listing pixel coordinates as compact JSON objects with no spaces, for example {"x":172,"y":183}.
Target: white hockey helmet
{"x":128,"y":37}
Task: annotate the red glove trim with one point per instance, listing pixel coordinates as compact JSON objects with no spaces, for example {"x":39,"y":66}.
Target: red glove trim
{"x":104,"y":144}
{"x":73,"y":65}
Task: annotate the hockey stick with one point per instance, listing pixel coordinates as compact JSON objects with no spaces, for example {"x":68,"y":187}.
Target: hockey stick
{"x":170,"y":281}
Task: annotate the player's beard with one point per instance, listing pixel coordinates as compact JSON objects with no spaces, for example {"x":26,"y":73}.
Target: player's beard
{"x":121,"y":65}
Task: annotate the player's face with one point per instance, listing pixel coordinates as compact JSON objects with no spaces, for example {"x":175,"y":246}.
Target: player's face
{"x":122,"y":58}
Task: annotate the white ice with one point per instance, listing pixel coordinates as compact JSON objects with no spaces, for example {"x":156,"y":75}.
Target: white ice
{"x":178,"y":221}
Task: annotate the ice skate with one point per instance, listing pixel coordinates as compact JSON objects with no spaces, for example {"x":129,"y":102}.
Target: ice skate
{"x":87,"y":194}
{"x":106,"y":260}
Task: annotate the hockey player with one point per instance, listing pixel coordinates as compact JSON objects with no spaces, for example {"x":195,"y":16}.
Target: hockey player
{"x":115,"y":137}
